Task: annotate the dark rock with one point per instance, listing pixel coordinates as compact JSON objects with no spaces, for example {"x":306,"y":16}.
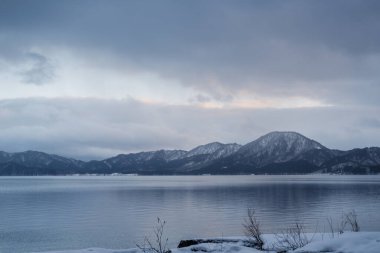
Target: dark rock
{"x":187,"y":243}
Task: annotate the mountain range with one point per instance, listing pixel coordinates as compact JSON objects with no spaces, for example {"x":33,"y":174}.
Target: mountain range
{"x":273,"y":153}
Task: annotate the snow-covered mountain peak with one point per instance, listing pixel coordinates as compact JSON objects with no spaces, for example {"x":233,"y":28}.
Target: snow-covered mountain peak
{"x":205,"y":149}
{"x":215,"y":150}
{"x":278,"y":147}
{"x":288,"y":140}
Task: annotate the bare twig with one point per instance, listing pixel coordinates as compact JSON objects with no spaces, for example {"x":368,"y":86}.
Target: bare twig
{"x":160,"y":244}
{"x":342,"y":224}
{"x":352,"y":219}
{"x":291,"y":238}
{"x":252,"y":229}
{"x":331,"y":226}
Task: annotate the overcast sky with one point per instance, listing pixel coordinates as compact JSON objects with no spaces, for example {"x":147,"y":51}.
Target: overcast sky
{"x":92,"y":79}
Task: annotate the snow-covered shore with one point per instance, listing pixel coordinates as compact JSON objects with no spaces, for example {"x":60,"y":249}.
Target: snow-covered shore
{"x":368,"y":242}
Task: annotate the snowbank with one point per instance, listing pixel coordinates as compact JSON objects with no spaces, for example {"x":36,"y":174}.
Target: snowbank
{"x":368,"y":242}
{"x":363,"y":242}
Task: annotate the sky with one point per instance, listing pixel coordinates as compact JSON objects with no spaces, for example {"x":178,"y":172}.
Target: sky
{"x":93,"y":79}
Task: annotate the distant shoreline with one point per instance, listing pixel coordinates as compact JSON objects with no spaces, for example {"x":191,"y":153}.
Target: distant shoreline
{"x":187,"y":175}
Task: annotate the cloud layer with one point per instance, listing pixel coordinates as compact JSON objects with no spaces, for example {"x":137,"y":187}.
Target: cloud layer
{"x":97,"y":128}
{"x":93,"y":78}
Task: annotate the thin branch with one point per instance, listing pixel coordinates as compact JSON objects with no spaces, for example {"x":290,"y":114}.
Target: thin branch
{"x":160,"y":245}
{"x":252,"y":229}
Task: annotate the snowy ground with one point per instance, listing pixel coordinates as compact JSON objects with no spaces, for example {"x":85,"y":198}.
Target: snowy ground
{"x":362,"y":242}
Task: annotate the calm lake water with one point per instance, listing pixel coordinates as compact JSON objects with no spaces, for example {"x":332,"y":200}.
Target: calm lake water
{"x":75,"y":212}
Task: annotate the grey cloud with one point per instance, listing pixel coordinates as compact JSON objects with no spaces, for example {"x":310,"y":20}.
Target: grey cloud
{"x":200,"y":99}
{"x":40,"y":71}
{"x":371,"y":122}
{"x":95,"y":128}
{"x":324,"y":50}
{"x":71,"y":127}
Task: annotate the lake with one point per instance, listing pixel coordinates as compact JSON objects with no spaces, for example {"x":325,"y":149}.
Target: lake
{"x":75,"y":212}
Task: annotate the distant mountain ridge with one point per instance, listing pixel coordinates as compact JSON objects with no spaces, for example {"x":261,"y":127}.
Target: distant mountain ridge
{"x":273,"y":153}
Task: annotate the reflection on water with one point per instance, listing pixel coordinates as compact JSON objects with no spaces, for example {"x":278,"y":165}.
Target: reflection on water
{"x":52,"y":213}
